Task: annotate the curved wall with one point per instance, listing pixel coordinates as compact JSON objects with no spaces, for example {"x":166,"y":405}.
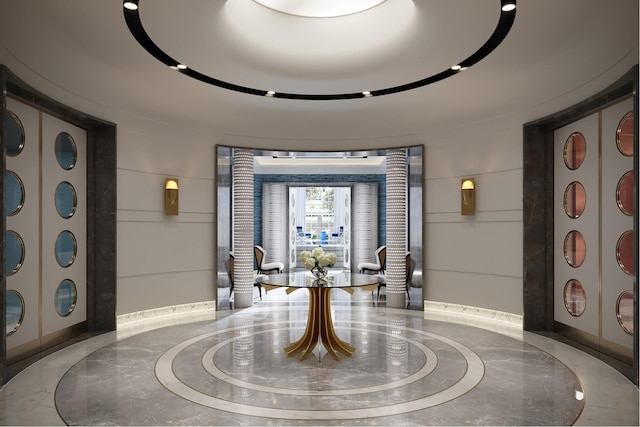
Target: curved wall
{"x":165,"y":261}
{"x":474,"y":261}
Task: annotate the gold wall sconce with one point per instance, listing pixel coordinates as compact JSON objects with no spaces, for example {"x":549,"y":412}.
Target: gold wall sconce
{"x":468,"y":197}
{"x":171,"y":196}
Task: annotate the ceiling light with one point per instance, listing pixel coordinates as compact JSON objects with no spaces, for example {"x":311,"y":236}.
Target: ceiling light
{"x":509,"y":6}
{"x":269,"y":93}
{"x":320,"y":8}
{"x":130,"y":5}
{"x":456,"y":67}
{"x":367,"y":94}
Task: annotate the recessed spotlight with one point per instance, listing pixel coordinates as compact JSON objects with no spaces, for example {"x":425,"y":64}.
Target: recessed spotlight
{"x":367,"y":94}
{"x":269,"y":93}
{"x":129,"y":5}
{"x":456,"y":67}
{"x":508,"y":7}
{"x":181,"y":67}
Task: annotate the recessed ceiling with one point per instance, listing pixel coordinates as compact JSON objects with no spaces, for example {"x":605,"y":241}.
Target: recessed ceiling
{"x":506,"y":14}
{"x":81,"y":53}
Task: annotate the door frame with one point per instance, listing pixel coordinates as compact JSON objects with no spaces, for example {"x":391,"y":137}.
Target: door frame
{"x":538,"y":205}
{"x":101,"y":206}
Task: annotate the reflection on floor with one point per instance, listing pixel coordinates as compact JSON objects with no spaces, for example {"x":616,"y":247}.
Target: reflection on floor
{"x":409,"y":367}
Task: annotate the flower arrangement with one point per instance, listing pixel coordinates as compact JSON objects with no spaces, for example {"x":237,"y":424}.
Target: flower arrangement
{"x":318,"y":261}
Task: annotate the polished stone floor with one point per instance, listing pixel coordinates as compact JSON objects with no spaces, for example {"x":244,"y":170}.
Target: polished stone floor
{"x":409,"y":368}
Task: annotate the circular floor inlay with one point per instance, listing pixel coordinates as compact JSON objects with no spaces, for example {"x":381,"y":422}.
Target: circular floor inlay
{"x":233,"y":371}
{"x":167,"y":377}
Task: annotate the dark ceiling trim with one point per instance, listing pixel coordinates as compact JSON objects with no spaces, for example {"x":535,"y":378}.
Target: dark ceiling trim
{"x":132,"y":18}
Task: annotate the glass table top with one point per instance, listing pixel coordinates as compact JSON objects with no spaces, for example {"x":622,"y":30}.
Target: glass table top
{"x":335,"y":279}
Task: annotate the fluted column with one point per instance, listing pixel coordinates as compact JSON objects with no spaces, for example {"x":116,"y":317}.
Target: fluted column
{"x":243,"y":227}
{"x":396,"y":227}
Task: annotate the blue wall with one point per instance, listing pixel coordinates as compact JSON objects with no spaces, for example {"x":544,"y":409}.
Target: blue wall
{"x":380,"y":179}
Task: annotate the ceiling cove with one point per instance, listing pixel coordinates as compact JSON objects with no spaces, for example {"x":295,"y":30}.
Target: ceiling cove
{"x":131,"y":10}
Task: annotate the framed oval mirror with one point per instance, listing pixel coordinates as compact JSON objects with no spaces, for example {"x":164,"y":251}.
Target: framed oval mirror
{"x":14,"y":313}
{"x":65,"y":248}
{"x":624,"y":135}
{"x":66,"y":297}
{"x":624,"y":311}
{"x":15,"y":134}
{"x":65,"y":200}
{"x":624,"y":193}
{"x":575,"y":150}
{"x":575,"y":298}
{"x":14,"y":196}
{"x":14,"y":252}
{"x":575,"y":199}
{"x":624,"y":252}
{"x":66,"y":153}
{"x":575,"y":248}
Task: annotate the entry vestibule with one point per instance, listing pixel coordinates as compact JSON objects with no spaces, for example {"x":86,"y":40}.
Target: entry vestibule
{"x":362,"y":217}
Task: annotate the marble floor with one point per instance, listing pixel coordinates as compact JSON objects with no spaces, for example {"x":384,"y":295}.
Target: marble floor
{"x":410,"y":367}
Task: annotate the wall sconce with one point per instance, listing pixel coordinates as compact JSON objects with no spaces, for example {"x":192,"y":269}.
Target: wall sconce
{"x":171,"y":196}
{"x":468,"y":197}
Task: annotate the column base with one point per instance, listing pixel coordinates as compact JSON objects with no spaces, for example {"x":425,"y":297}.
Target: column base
{"x":396,"y":300}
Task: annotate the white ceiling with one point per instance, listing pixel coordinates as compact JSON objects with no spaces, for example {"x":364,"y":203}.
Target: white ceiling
{"x":81,"y":53}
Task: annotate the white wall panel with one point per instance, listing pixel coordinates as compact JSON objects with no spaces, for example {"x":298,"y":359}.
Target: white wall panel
{"x":162,"y":260}
{"x":163,"y":247}
{"x":614,"y":224}
{"x":475,"y":260}
{"x":587,"y":224}
{"x":482,"y":248}
{"x":26,"y":281}
{"x":52,"y":224}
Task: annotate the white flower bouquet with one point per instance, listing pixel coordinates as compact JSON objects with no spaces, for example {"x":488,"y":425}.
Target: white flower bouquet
{"x":318,"y":261}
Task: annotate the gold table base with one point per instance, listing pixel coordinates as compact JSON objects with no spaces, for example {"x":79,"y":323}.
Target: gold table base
{"x":319,"y":329}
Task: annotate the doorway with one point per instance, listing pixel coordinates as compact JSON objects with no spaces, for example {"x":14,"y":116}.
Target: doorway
{"x":64,"y":197}
{"x":593,"y":230}
{"x":46,"y":220}
{"x":320,"y":216}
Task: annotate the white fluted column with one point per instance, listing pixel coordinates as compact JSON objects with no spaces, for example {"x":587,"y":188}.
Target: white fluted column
{"x":396,"y":227}
{"x":243,"y":227}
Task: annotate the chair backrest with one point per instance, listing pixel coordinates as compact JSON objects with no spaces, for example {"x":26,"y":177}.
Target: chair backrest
{"x":258,"y":251}
{"x":229,"y":264}
{"x":410,"y":267}
{"x":381,"y":254}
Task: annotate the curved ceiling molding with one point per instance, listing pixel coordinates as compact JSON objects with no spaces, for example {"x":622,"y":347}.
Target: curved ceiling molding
{"x":132,"y":17}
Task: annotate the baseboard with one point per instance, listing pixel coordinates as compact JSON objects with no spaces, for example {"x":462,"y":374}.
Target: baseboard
{"x":498,"y":321}
{"x":155,"y":313}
